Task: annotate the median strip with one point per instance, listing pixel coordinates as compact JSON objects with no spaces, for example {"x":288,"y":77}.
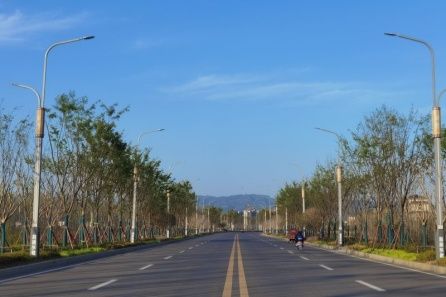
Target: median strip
{"x":102,"y":285}
{"x":370,"y":286}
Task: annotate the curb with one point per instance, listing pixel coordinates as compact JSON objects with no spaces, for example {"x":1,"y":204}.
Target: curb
{"x":424,"y":267}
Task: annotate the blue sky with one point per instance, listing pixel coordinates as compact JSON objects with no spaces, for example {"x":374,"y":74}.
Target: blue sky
{"x":238,"y":85}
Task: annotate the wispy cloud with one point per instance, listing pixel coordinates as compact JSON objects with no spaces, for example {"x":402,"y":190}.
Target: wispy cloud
{"x":144,"y":43}
{"x":16,"y":27}
{"x":273,"y":87}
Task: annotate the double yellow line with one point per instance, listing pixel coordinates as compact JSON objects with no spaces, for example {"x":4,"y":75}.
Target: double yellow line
{"x":227,"y":291}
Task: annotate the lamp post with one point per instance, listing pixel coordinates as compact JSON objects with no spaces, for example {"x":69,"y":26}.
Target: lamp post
{"x":196,"y":217}
{"x":436,"y":134}
{"x":303,"y":187}
{"x":39,"y":134}
{"x":168,"y":215}
{"x":135,"y":185}
{"x":339,"y":182}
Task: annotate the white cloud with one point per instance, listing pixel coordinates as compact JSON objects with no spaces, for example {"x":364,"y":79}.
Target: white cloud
{"x":275,"y":87}
{"x":16,"y":27}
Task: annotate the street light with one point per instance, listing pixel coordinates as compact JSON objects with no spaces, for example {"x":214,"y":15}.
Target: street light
{"x":303,"y":187}
{"x":436,"y":134}
{"x":135,"y":185}
{"x":39,"y":134}
{"x":339,"y":181}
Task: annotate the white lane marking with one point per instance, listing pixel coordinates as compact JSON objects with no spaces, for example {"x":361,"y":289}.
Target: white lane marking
{"x":181,"y":251}
{"x":191,"y":247}
{"x":145,"y":267}
{"x":378,"y":262}
{"x":196,"y":245}
{"x":282,"y":248}
{"x":102,"y":285}
{"x":44,"y":271}
{"x":370,"y":286}
{"x":275,"y":245}
{"x":325,"y":267}
{"x":291,"y":252}
{"x":167,"y":258}
{"x":305,"y":258}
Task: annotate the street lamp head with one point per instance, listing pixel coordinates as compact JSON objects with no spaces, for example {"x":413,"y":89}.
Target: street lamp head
{"x":390,"y":34}
{"x":88,"y":37}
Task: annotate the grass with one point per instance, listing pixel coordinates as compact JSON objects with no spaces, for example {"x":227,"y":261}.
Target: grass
{"x":392,"y":253}
{"x":82,"y":251}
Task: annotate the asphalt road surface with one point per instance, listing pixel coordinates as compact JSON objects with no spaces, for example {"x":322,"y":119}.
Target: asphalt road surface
{"x":225,"y":264}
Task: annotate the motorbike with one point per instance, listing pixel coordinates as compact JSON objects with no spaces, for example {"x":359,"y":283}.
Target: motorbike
{"x":299,"y":244}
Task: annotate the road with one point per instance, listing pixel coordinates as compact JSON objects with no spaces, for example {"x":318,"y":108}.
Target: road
{"x":226,"y":264}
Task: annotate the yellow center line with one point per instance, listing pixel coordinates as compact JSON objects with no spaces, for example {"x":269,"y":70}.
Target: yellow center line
{"x":227,"y":291}
{"x":241,"y":273}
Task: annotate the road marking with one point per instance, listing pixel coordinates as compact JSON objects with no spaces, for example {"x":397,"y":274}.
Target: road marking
{"x":275,"y":245}
{"x":102,"y":285}
{"x":282,"y":248}
{"x":241,"y":273}
{"x":325,"y":267}
{"x":227,"y":291}
{"x":196,"y":245}
{"x":378,"y":262}
{"x":145,"y":267}
{"x":45,"y":271}
{"x":191,"y":247}
{"x":305,"y":258}
{"x":181,"y":251}
{"x":167,"y":258}
{"x":291,"y":252}
{"x":370,"y":286}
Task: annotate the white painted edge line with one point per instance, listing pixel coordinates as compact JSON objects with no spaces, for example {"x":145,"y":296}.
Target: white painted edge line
{"x":45,"y":271}
{"x":167,"y":258}
{"x":182,"y":251}
{"x":291,"y":252}
{"x":145,"y":267}
{"x":191,"y":247}
{"x":370,"y":286}
{"x":325,"y":267}
{"x":382,"y":263}
{"x":305,"y":258}
{"x":102,"y":285}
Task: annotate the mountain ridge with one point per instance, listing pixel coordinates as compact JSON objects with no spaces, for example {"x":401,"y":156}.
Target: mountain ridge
{"x":237,"y":202}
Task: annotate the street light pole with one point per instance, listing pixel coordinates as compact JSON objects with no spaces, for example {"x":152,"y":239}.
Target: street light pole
{"x":196,"y":217}
{"x":135,"y":185}
{"x":168,"y":215}
{"x":338,"y":174}
{"x":436,"y":134}
{"x":277,"y":220}
{"x":39,"y":134}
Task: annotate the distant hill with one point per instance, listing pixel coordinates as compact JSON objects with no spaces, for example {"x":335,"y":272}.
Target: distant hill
{"x":237,"y":202}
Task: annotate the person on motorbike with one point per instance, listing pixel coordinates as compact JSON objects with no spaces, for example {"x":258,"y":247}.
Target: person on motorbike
{"x":299,"y":238}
